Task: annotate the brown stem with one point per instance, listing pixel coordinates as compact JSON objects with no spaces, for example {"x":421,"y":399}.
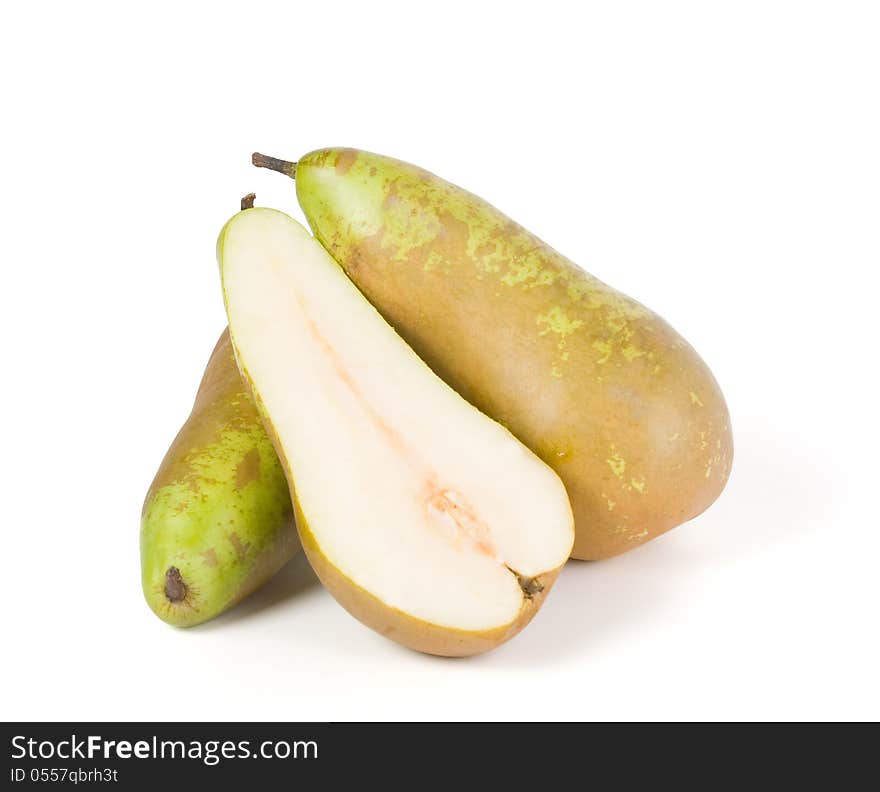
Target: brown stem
{"x":248,"y":201}
{"x":275,"y":164}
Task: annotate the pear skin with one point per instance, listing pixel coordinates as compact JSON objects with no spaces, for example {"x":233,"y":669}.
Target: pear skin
{"x":217,"y":522}
{"x":597,"y":385}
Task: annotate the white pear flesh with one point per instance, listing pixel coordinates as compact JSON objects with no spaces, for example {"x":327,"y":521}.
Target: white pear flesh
{"x":443,"y":529}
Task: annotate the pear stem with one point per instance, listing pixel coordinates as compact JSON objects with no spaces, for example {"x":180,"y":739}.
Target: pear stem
{"x":248,"y":201}
{"x":275,"y":164}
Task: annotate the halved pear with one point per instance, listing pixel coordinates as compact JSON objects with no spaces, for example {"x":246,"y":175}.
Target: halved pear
{"x":426,"y":520}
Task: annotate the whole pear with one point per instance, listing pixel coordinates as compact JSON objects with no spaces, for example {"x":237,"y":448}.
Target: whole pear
{"x":597,"y":385}
{"x":217,"y":522}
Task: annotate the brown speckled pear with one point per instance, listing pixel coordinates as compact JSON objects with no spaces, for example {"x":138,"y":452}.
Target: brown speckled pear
{"x":598,"y":386}
{"x":217,"y":522}
{"x":425,"y":519}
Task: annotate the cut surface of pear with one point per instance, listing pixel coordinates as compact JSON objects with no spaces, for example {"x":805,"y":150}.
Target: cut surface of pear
{"x":426,"y":519}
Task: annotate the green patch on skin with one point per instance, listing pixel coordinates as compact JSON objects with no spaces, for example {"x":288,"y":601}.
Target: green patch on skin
{"x":638,"y":484}
{"x":220,"y":461}
{"x":486,"y":247}
{"x":617,"y":463}
{"x":436,"y":261}
{"x":358,"y":218}
{"x":631,"y":352}
{"x":403,"y":231}
{"x":604,"y":348}
{"x":557,"y":322}
{"x":528,"y":272}
{"x":695,"y":400}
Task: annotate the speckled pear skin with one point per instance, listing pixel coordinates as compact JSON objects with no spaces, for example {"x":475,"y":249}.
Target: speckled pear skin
{"x":217,"y":522}
{"x":601,"y":388}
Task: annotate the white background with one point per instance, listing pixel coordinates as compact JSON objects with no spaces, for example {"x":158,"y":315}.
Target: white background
{"x":720,"y":162}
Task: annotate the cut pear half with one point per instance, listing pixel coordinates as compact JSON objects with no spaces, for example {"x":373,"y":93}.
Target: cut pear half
{"x":427,"y":520}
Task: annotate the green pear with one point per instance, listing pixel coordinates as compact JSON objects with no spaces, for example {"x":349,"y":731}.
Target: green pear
{"x":217,"y":522}
{"x":598,"y":386}
{"x":427,"y":520}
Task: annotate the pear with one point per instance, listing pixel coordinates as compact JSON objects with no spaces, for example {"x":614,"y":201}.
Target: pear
{"x":598,"y":386}
{"x":217,"y":521}
{"x":426,"y":520}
